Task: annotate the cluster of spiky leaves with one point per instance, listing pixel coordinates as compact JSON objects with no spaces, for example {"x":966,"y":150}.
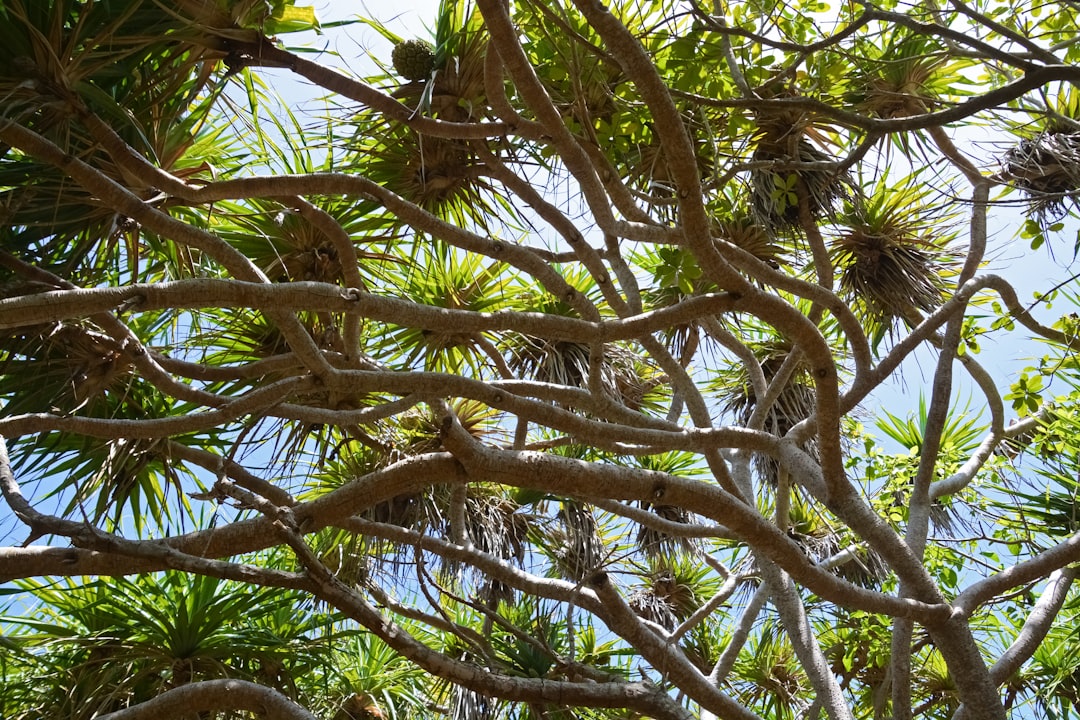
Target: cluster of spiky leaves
{"x":893,"y":259}
{"x":770,"y":675}
{"x":439,"y":174}
{"x":670,"y":593}
{"x":912,"y":73}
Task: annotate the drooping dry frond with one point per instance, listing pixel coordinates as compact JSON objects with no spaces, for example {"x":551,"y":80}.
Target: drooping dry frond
{"x":893,"y":260}
{"x":794,"y":403}
{"x":574,"y":542}
{"x":774,"y":196}
{"x":1047,"y":168}
{"x":745,"y":232}
{"x":657,"y":543}
{"x":624,"y":376}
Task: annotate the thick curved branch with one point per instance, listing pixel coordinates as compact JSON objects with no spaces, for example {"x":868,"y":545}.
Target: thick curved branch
{"x":1036,"y":78}
{"x":213,"y":696}
{"x":237,"y":538}
{"x":516,"y":63}
{"x":668,"y":659}
{"x":574,"y":478}
{"x":1036,"y":626}
{"x":265,"y":52}
{"x":639,"y":696}
{"x":1028,"y":571}
{"x":56,"y":305}
{"x":696,"y":233}
{"x":122,"y":200}
{"x":256,"y":402}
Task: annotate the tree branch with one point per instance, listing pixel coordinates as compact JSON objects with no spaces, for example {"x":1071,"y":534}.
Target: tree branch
{"x":212,"y":696}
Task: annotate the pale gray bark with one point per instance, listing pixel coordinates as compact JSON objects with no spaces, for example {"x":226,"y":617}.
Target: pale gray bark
{"x":214,"y":696}
{"x":1036,"y":626}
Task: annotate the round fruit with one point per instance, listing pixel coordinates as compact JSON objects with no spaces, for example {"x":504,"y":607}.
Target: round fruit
{"x":413,"y":60}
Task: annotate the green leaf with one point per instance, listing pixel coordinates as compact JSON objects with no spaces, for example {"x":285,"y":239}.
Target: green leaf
{"x":290,"y":19}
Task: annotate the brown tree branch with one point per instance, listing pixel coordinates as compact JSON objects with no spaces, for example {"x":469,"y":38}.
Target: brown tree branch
{"x":213,"y":696}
